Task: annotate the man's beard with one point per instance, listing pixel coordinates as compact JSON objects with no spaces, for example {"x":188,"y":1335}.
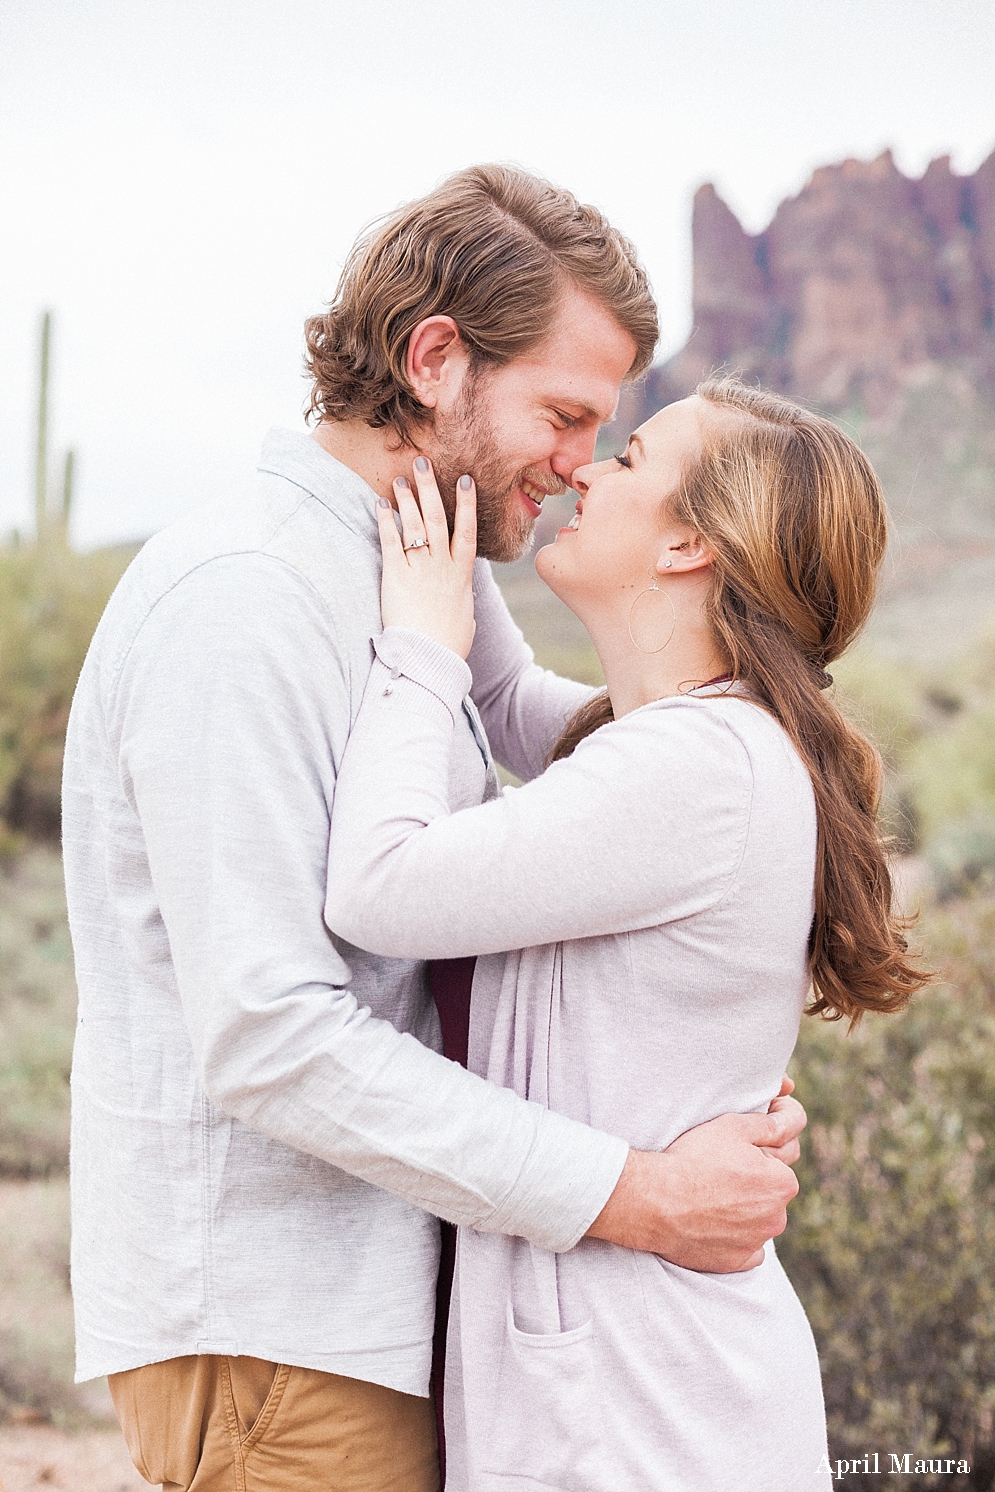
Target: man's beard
{"x":466,"y":442}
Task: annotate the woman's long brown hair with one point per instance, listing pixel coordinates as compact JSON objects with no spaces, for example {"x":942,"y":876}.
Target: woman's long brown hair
{"x":794,"y":515}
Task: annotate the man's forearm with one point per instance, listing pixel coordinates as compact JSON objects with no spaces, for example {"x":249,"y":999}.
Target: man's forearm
{"x":387,"y":1109}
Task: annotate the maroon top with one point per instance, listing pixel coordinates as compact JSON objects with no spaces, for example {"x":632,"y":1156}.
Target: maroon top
{"x":450,"y":980}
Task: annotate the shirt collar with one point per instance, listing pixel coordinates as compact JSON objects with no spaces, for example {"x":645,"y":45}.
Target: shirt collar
{"x":298,"y":458}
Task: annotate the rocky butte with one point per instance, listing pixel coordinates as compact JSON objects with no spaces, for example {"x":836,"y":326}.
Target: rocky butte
{"x":858,"y":287}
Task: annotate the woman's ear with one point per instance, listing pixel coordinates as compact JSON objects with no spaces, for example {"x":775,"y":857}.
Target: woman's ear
{"x":436,"y":361}
{"x":682,"y":552}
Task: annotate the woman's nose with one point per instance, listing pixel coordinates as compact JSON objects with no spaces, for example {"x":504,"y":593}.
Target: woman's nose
{"x":582,"y":478}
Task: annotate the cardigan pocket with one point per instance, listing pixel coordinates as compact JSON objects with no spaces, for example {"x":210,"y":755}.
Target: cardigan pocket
{"x":544,"y":1419}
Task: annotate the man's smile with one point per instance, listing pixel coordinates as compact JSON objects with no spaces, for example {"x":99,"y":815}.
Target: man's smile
{"x":535,"y":495}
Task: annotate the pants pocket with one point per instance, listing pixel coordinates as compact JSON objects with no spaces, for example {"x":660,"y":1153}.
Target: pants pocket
{"x":543,"y":1421}
{"x":271,"y":1404}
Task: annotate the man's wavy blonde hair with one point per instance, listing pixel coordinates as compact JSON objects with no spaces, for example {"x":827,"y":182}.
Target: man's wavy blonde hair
{"x":494,"y":248}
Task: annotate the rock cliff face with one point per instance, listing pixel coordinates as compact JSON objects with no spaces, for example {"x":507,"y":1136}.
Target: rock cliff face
{"x":859,"y":286}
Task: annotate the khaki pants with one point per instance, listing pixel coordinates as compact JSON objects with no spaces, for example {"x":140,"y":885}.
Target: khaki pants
{"x":238,"y":1424}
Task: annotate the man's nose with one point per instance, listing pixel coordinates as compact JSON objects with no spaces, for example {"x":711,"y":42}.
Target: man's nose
{"x":575,"y":453}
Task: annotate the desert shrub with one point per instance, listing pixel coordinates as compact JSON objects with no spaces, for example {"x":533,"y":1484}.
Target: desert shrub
{"x":950,"y":772}
{"x":37,"y":1015}
{"x":961,"y":853}
{"x":936,"y":732}
{"x":954,"y":770}
{"x":891,"y":1240}
{"x":952,"y":779}
{"x":50,"y":602}
{"x":884,"y":700}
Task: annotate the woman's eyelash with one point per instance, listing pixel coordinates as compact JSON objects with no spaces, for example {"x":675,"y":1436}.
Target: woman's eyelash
{"x":623,"y":461}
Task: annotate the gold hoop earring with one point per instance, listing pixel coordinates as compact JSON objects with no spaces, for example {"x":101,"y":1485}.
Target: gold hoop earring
{"x":673,"y":614}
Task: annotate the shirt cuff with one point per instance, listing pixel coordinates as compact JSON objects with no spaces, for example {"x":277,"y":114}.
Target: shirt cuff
{"x":426,"y":662}
{"x":565,"y":1183}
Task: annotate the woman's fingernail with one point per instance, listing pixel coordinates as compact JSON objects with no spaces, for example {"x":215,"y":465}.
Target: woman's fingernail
{"x":421,"y":463}
{"x":466,"y":483}
{"x":382,"y":502}
{"x":400,"y":481}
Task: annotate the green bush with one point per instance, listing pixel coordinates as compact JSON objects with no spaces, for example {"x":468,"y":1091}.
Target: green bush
{"x":891,"y":1240}
{"x":936,"y":734}
{"x":953,"y":771}
{"x":961,"y":853}
{"x":950,"y":773}
{"x":37,"y":1015}
{"x":884,"y":700}
{"x":50,"y":602}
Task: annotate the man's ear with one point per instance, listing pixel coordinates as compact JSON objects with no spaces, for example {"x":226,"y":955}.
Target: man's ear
{"x":682,"y":552}
{"x":436,"y":361}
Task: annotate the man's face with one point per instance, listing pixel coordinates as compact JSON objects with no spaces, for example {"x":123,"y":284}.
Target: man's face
{"x":521,"y":430}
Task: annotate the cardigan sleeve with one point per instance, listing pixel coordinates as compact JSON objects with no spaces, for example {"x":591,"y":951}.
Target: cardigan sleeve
{"x":645,"y":823}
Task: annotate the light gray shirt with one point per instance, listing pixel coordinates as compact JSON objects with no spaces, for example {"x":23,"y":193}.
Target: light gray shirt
{"x":262,"y":1129}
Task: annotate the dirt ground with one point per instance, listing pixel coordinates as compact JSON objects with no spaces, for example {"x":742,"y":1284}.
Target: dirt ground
{"x":35,"y":1457}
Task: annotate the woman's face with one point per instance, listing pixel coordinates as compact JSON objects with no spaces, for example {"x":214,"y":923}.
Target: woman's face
{"x":619,"y":535}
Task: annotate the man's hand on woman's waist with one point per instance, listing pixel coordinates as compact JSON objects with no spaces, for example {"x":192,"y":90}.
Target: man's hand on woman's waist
{"x":713,"y":1198}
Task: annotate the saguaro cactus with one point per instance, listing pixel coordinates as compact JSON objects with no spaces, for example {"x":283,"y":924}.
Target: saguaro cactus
{"x":41,"y":457}
{"x":50,"y":527}
{"x":67,"y":492}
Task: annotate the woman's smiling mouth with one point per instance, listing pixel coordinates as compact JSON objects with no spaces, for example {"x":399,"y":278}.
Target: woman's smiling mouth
{"x":574,"y":523}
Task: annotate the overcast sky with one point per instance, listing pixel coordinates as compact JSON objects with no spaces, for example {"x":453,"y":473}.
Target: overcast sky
{"x":182,"y":178}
